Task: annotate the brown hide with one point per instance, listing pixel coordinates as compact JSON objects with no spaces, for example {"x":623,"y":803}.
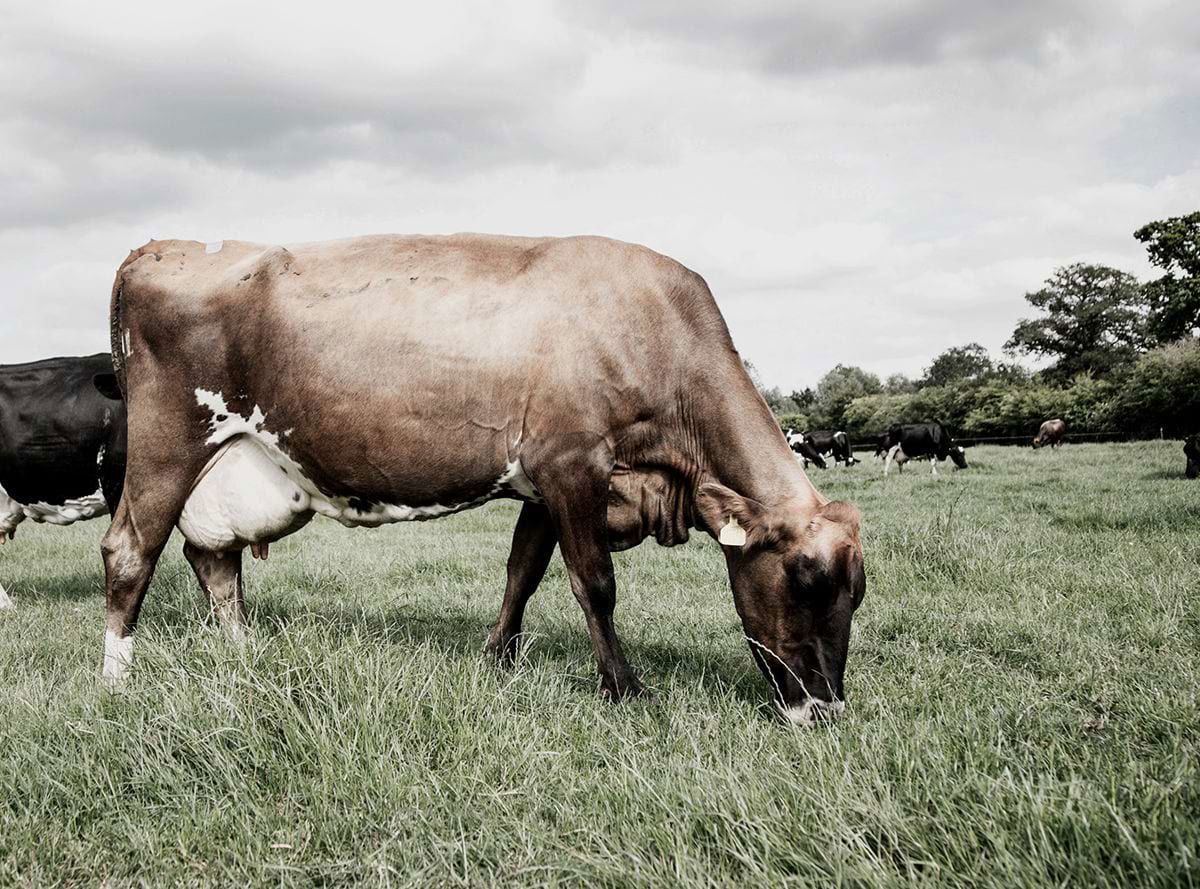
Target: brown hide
{"x":644,"y":503}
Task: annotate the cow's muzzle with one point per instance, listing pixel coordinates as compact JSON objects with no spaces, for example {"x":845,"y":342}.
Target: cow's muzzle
{"x":812,"y":711}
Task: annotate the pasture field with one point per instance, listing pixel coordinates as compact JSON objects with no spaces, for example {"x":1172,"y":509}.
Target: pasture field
{"x":1024,"y":706}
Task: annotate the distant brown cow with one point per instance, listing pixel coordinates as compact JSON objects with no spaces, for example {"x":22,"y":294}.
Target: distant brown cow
{"x":395,"y":378}
{"x":1191,"y":448}
{"x":1051,"y":434}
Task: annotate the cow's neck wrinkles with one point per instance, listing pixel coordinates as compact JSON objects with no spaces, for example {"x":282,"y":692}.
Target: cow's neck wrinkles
{"x":739,"y":444}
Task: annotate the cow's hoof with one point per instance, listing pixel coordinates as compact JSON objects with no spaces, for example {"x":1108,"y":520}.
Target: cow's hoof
{"x":625,"y":688}
{"x":505,"y":656}
{"x":507,"y":649}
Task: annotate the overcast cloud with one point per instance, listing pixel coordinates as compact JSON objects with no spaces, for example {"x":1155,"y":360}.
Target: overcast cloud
{"x":866,"y":186}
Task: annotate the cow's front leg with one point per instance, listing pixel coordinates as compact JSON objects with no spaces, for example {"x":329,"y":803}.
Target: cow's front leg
{"x":577,"y":497}
{"x":933,"y":463}
{"x":220,"y":576}
{"x":532,"y":546}
{"x":5,"y":602}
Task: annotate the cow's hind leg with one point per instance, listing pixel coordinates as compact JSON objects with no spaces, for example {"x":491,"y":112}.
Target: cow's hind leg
{"x":578,"y":502}
{"x":149,"y":508}
{"x":532,"y":546}
{"x":12,"y":516}
{"x":891,"y":458}
{"x":220,"y":576}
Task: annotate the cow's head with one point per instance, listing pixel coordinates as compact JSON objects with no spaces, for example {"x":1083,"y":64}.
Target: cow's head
{"x":797,"y":579}
{"x":959,"y":456}
{"x":1037,"y":442}
{"x":1191,"y":448}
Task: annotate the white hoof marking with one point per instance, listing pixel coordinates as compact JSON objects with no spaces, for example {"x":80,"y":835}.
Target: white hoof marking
{"x":118,"y":658}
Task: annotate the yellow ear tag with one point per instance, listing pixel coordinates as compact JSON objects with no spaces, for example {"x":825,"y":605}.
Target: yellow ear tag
{"x":732,"y":534}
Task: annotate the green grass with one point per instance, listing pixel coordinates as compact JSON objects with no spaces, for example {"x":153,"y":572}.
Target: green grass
{"x":1023,"y":706}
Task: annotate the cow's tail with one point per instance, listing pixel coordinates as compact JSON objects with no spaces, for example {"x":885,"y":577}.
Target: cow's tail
{"x":118,"y":329}
{"x":116,"y":338}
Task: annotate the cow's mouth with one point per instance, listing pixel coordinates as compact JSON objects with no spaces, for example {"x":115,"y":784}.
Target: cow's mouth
{"x":812,"y":711}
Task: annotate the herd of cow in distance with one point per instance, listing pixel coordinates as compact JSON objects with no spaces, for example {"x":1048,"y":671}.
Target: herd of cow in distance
{"x":394,"y":378}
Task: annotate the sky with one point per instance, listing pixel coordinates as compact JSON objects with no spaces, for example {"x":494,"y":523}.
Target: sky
{"x":861,"y":184}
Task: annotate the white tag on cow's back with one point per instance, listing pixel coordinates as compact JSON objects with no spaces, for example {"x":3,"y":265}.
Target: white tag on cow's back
{"x":732,"y":534}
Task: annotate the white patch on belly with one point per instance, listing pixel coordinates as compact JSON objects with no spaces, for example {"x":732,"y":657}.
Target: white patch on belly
{"x":253,"y":491}
{"x":68,"y":513}
{"x":515,"y":480}
{"x":12,"y":513}
{"x":214,"y":246}
{"x":118,"y":657}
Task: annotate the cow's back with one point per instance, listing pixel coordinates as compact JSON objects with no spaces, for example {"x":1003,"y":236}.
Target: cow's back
{"x":501,"y":303}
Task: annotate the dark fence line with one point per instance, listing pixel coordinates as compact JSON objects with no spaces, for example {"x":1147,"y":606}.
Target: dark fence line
{"x":969,"y":440}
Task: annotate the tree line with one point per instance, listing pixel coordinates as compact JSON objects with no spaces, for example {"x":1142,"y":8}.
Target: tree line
{"x":1122,"y":356}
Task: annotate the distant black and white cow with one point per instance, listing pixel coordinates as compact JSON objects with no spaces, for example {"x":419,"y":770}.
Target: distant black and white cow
{"x":803,"y":448}
{"x":917,"y":440}
{"x":1051,"y":433}
{"x":829,"y":443}
{"x":1191,"y":448}
{"x":62,"y":443}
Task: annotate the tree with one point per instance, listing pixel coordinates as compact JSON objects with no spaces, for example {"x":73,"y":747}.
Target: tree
{"x":900,"y":384}
{"x":1162,"y":392}
{"x":1094,"y":321}
{"x":778,"y":402}
{"x":804,"y":399}
{"x":772,"y":395}
{"x":1174,"y":299}
{"x":961,"y":364}
{"x":837,"y":389}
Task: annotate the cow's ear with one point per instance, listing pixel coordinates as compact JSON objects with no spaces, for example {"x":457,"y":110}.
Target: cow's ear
{"x":722,"y":508}
{"x":106,"y":385}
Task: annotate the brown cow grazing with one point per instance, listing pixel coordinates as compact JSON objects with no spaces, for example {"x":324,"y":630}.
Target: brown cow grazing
{"x":393,"y":378}
{"x":1191,"y":449}
{"x":1051,"y":433}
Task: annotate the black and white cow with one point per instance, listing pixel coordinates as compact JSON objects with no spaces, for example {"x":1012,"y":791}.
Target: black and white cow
{"x":1191,"y":449}
{"x":829,"y":443}
{"x":62,"y":443}
{"x":803,"y":448}
{"x":917,"y":440}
